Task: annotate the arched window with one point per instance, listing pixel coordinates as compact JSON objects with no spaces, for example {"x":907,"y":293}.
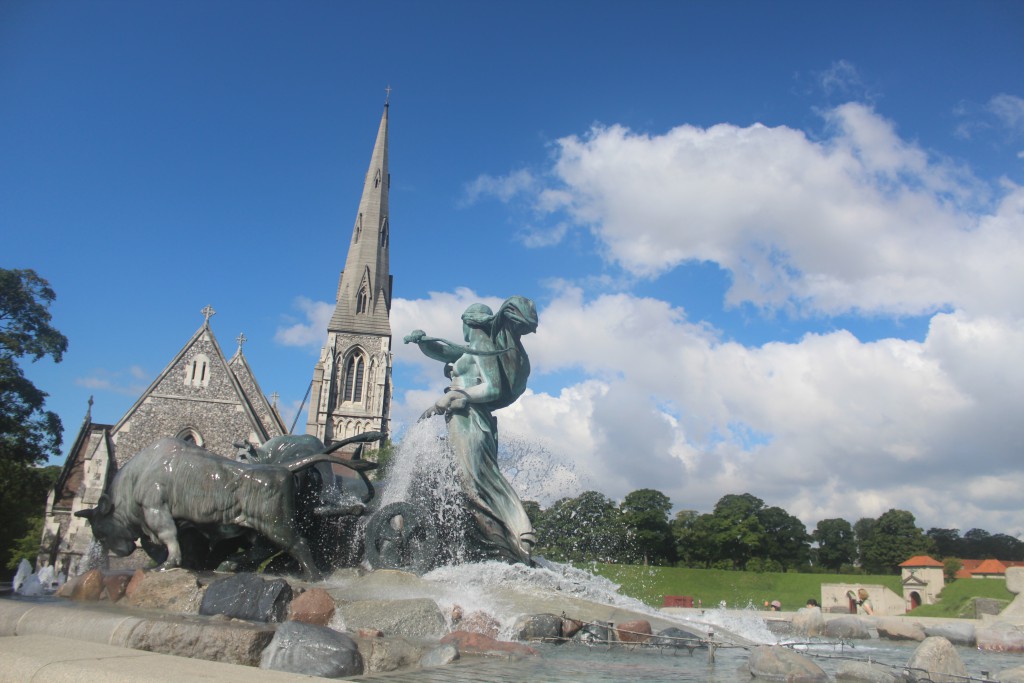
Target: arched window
{"x":353,"y":387}
{"x":190,"y":435}
{"x":197,"y":373}
{"x":359,"y":227}
{"x":384,"y":233}
{"x":363,"y":299}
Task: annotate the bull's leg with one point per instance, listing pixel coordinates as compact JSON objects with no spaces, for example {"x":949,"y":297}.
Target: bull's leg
{"x":293,"y":544}
{"x":159,"y":520}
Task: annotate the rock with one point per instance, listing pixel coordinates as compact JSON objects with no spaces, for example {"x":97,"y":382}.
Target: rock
{"x":415,"y":618}
{"x":138,"y":576}
{"x":482,"y":622}
{"x":543,"y":627}
{"x":1014,"y":675}
{"x":312,"y":650}
{"x":637,"y":631}
{"x":315,"y":606}
{"x":68,"y":587}
{"x":1000,"y":637}
{"x":778,"y":663}
{"x":439,"y":656}
{"x":956,"y":632}
{"x":1015,"y":580}
{"x":89,"y":587}
{"x":391,"y":654}
{"x":899,"y":629}
{"x":808,"y":621}
{"x":174,"y":590}
{"x":247,"y":596}
{"x":475,"y":642}
{"x":937,"y":661}
{"x":115,"y":585}
{"x":223,"y":642}
{"x":865,"y":672}
{"x":676,"y":638}
{"x":848,"y":627}
{"x":570,"y":627}
{"x":594,"y":633}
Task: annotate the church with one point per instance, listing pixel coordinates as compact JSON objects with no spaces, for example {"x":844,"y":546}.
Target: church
{"x":204,"y":397}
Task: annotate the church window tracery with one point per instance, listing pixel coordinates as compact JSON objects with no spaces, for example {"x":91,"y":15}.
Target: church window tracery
{"x":354,"y":371}
{"x":363,"y":299}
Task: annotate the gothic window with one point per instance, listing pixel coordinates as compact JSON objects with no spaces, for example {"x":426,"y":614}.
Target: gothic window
{"x":190,"y":435}
{"x":197,"y":373}
{"x":359,"y":226}
{"x":363,"y":299}
{"x":384,"y":233}
{"x":354,"y":371}
{"x":376,"y":179}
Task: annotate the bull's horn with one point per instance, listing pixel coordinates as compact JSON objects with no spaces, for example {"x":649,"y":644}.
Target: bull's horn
{"x":87,"y":513}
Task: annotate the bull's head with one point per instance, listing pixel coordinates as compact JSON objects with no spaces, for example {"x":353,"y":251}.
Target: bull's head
{"x":105,"y":529}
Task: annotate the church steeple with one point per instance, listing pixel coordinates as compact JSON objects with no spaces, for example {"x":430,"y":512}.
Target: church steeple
{"x":364,"y":289}
{"x":351,"y":388}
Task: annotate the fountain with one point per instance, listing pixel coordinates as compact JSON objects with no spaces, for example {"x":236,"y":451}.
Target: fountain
{"x":435,"y":564}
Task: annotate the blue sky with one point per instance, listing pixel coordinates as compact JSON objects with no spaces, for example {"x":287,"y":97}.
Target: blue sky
{"x":776,"y":247}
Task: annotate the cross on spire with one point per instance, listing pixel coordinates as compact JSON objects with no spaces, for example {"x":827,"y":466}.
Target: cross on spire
{"x":273,"y":398}
{"x":387,"y":97}
{"x":208,"y":313}
{"x":241,"y":339}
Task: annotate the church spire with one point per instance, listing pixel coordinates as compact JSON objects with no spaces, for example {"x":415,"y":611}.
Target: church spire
{"x":364,"y":290}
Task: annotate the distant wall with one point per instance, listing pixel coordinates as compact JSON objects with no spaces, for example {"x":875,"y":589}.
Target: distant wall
{"x":884,"y":602}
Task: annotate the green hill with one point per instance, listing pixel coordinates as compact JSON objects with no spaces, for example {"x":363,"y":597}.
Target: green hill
{"x":738,"y":589}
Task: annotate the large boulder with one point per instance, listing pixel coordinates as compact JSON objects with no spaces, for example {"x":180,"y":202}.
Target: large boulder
{"x":233,"y":643}
{"x":866,"y":672}
{"x":1014,"y":675}
{"x":481,"y":644}
{"x":391,"y":654}
{"x":673,"y":637}
{"x":636,"y":631}
{"x":956,"y":632}
{"x":439,"y":656}
{"x":247,"y":596}
{"x":89,"y":587}
{"x":594,"y":633}
{"x":895,"y":628}
{"x":543,"y":627}
{"x":175,"y":590}
{"x":418,"y":618}
{"x":778,"y":663}
{"x":850,"y":627}
{"x":1000,"y":637}
{"x":314,"y":606}
{"x":936,"y":660}
{"x":312,"y":650}
{"x":808,"y":621}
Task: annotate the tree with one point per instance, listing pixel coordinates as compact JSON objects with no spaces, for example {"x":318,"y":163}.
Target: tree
{"x":894,"y":538}
{"x":786,"y":542}
{"x":588,"y":527}
{"x":947,"y":542}
{"x":950,"y":566}
{"x":737,"y":531}
{"x":863,"y":531}
{"x":837,"y":544}
{"x":645,"y":516}
{"x":28,"y":432}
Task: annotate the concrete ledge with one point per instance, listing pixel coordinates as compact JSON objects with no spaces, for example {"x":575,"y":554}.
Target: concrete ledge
{"x":49,"y":659}
{"x":65,"y":621}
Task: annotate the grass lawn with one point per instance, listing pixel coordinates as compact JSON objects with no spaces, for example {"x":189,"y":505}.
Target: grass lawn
{"x":956,"y":599}
{"x":739,"y":589}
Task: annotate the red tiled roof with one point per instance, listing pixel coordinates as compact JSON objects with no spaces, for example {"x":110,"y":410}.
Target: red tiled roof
{"x":921,"y":561}
{"x":990,"y":567}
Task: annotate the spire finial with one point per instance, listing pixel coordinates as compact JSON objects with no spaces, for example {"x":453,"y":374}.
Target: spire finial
{"x":208,"y":313}
{"x":387,"y":96}
{"x":273,"y":397}
{"x":241,"y":339}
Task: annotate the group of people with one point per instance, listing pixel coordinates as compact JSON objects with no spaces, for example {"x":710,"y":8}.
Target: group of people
{"x":861,"y":599}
